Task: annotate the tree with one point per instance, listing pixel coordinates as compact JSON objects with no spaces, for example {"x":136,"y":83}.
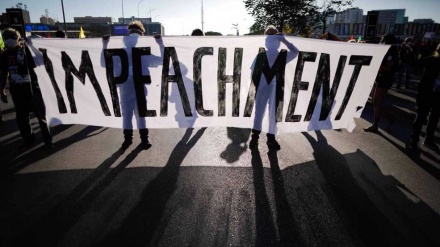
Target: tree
{"x":330,"y":8}
{"x":257,"y":29}
{"x":212,"y":33}
{"x":296,"y":14}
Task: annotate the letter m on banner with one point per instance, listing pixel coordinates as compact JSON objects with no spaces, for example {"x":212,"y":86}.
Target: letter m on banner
{"x":86,"y":67}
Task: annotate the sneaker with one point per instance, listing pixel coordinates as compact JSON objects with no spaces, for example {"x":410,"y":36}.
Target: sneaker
{"x":372,"y":128}
{"x":430,"y":145}
{"x":126,"y":144}
{"x":146,"y":144}
{"x":272,"y":143}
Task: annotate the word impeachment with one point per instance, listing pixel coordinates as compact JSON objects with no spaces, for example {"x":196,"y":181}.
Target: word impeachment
{"x":170,"y":57}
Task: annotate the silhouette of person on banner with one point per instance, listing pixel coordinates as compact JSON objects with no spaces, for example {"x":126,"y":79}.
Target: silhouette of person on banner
{"x":129,"y":106}
{"x":267,"y":90}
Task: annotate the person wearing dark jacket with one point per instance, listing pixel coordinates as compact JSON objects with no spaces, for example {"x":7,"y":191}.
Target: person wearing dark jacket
{"x":428,"y":100}
{"x":17,"y":66}
{"x":384,"y":79}
{"x":406,"y":56}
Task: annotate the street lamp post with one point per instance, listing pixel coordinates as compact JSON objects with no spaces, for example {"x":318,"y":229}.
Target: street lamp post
{"x":64,"y":17}
{"x":235,"y":26}
{"x":123,"y":18}
{"x":149,"y":5}
{"x":138,"y":7}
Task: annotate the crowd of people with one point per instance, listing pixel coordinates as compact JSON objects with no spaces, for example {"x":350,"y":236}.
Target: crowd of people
{"x":410,"y":57}
{"x":407,"y":59}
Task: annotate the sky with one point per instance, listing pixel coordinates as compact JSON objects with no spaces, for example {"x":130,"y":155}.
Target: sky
{"x":180,"y":17}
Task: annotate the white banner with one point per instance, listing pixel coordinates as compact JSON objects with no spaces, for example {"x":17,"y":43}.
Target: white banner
{"x":138,"y":82}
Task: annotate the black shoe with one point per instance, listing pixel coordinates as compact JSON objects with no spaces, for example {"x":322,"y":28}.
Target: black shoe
{"x":372,"y":128}
{"x":26,"y":146}
{"x":49,"y":145}
{"x":146,"y":144}
{"x":412,"y":145}
{"x":430,"y":144}
{"x":272,"y":143}
{"x":126,"y":144}
{"x":253,"y":143}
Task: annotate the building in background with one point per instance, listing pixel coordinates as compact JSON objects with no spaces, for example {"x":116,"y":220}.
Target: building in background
{"x":353,"y":22}
{"x":424,"y":21}
{"x":391,"y":16}
{"x":16,"y":18}
{"x":91,"y":19}
{"x":46,"y":20}
{"x":151,"y":28}
{"x":133,"y":18}
{"x":25,"y":13}
{"x":352,"y":15}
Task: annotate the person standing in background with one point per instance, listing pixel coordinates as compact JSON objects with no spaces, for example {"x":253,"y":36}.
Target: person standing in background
{"x":406,"y":56}
{"x":428,"y":100}
{"x":384,"y":79}
{"x":17,"y":66}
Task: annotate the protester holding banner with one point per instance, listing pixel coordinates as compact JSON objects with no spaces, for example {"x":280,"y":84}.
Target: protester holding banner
{"x":197,"y":32}
{"x":266,"y":91}
{"x":60,"y":34}
{"x":17,"y":65}
{"x":428,"y":100}
{"x":127,"y":91}
{"x":384,"y":79}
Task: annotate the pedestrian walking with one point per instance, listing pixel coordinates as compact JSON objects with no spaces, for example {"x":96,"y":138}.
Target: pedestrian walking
{"x":17,"y":66}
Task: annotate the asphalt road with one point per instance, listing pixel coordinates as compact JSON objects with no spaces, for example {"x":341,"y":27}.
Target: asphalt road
{"x":205,"y":187}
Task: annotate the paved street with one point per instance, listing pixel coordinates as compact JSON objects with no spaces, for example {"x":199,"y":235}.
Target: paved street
{"x":205,"y":187}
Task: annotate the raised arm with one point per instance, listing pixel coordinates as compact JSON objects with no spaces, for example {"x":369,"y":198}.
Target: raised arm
{"x":293,"y":50}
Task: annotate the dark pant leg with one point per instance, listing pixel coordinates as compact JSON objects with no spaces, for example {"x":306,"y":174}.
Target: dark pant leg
{"x":144,"y":134}
{"x":128,"y":134}
{"x":433,"y":118}
{"x":423,"y":108}
{"x":255,"y":134}
{"x":22,"y":98}
{"x":270,"y":136}
{"x":39,"y":109}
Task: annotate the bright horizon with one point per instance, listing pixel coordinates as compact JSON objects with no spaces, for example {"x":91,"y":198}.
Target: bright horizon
{"x":181,"y":17}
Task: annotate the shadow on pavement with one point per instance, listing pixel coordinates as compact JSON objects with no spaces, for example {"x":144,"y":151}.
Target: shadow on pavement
{"x":287,"y":222}
{"x":50,"y":229}
{"x":141,"y":223}
{"x":16,"y":161}
{"x":335,"y":200}
{"x":377,"y":207}
{"x":416,"y":156}
{"x":402,"y":130}
{"x":238,"y":146}
{"x":266,"y":234}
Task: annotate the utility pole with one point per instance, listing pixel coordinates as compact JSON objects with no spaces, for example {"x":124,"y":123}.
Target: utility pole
{"x":64,"y":17}
{"x":203,"y":22}
{"x":123,"y":18}
{"x":235,"y":26}
{"x":138,"y":7}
